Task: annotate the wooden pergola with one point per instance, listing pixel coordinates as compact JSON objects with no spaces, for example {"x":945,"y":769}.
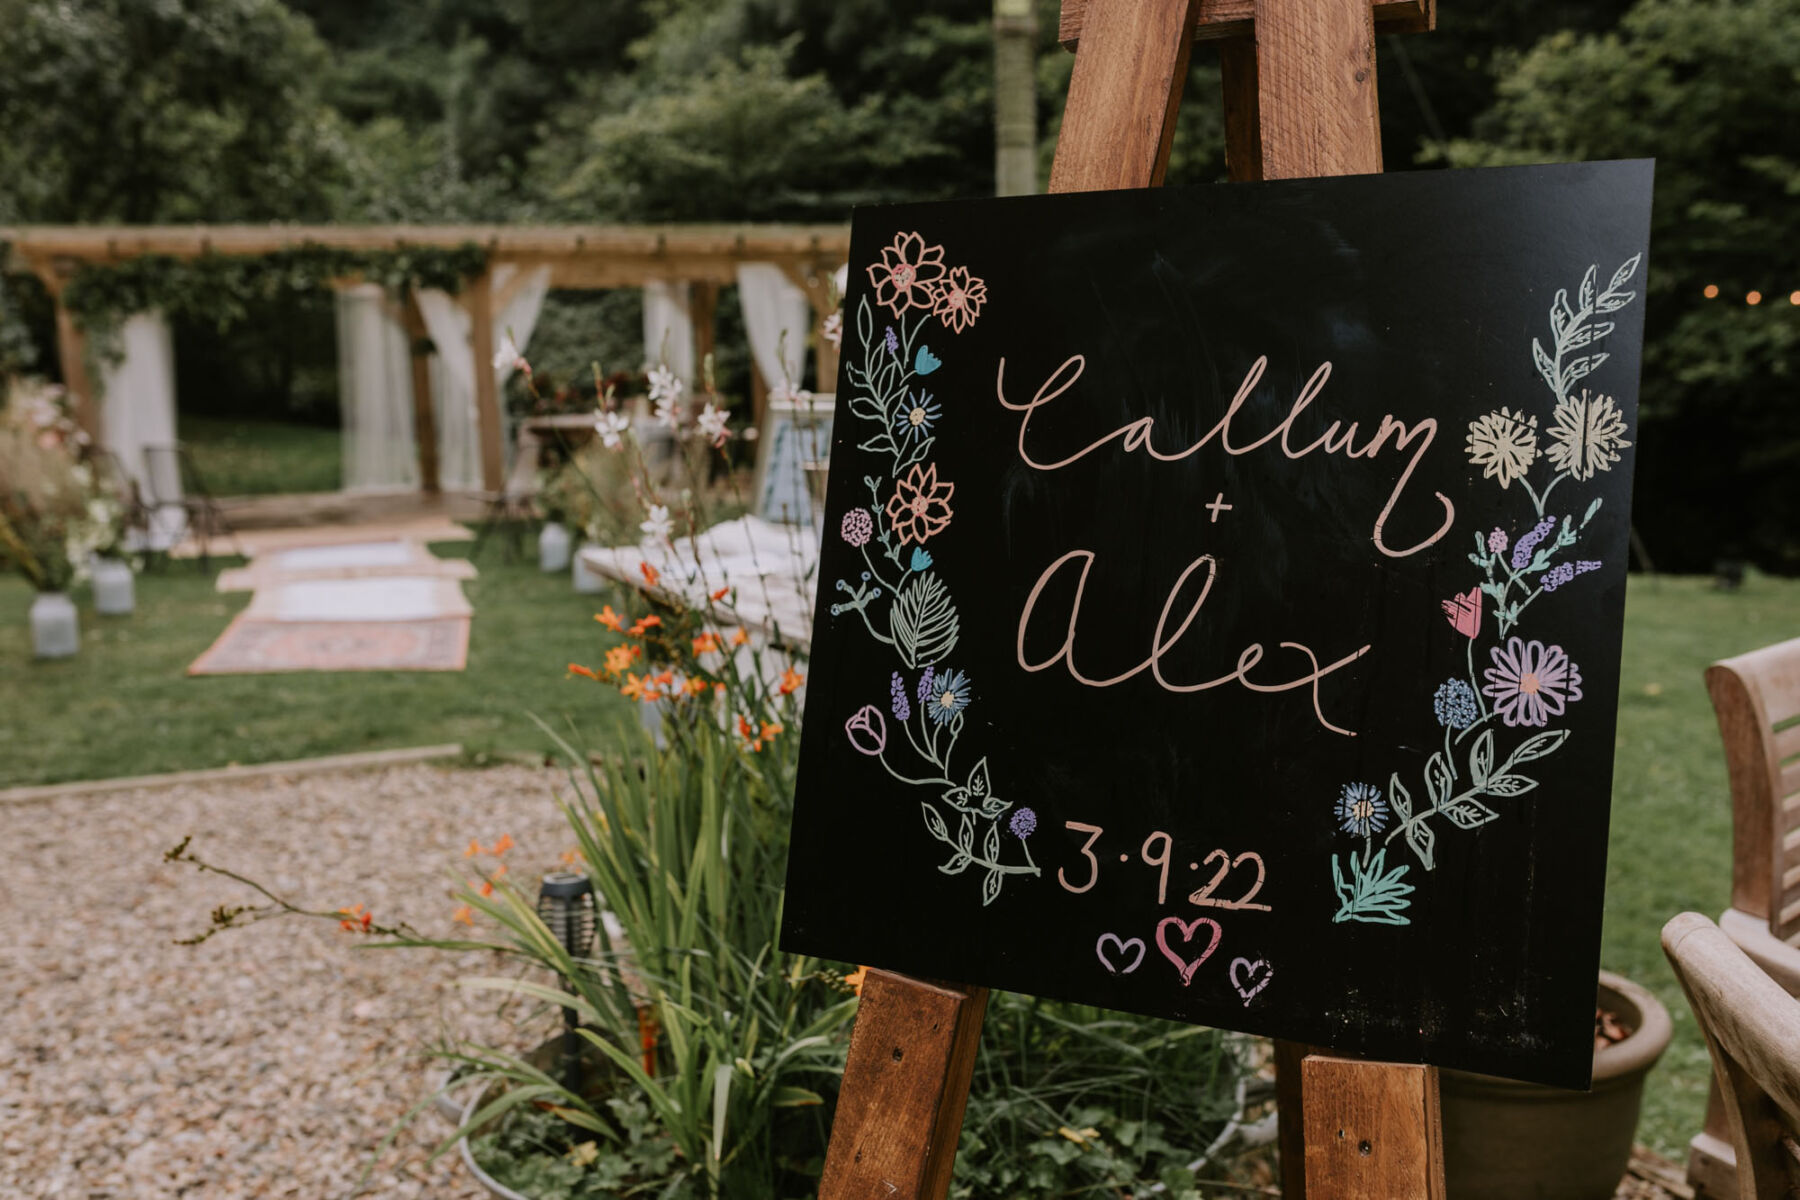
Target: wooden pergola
{"x":578,"y":256}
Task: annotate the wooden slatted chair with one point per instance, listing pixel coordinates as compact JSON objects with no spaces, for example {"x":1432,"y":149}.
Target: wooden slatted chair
{"x":1752,"y":1028}
{"x":1756,"y":697}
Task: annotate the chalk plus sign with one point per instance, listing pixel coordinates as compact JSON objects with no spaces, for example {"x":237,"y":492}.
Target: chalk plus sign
{"x":1218,"y":506}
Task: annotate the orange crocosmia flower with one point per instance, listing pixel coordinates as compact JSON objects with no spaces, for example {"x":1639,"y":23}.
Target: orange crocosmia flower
{"x":620,"y":657}
{"x":633,"y":687}
{"x":571,"y":857}
{"x":578,"y":669}
{"x":487,"y":888}
{"x":706,"y":643}
{"x":696,"y":686}
{"x":644,"y":624}
{"x":770,"y":730}
{"x":610,"y":619}
{"x":503,"y":845}
{"x":474,"y":848}
{"x":745,"y":729}
{"x":721,"y":594}
{"x":790,"y":679}
{"x":739,"y":638}
{"x":464,"y":915}
{"x":651,"y":575}
{"x":719,"y":688}
{"x":666,"y":678}
{"x":855,"y":979}
{"x":366,"y":918}
{"x":499,"y":874}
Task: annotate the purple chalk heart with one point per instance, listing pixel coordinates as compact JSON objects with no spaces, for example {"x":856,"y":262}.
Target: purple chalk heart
{"x":1256,"y":977}
{"x":1122,"y":946}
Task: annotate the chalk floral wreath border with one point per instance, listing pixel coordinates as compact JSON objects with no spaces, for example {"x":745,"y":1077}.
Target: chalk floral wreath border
{"x":1529,"y":681}
{"x":903,"y":602}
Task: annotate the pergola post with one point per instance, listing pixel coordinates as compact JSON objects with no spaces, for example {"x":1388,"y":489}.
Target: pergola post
{"x":814,"y":278}
{"x":703,"y":309}
{"x":425,"y":434}
{"x":478,"y":299}
{"x":71,"y":349}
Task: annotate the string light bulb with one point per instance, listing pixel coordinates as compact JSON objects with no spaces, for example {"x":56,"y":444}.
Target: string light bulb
{"x":1794,"y":298}
{"x":1753,"y":299}
{"x":1712,"y":291}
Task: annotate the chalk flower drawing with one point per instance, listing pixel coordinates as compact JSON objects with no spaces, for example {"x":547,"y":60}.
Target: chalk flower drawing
{"x":1531,"y":682}
{"x":1361,"y":810}
{"x":906,"y":275}
{"x":920,"y":505}
{"x":957,"y":300}
{"x":902,"y":602}
{"x":1586,"y":435}
{"x":1503,"y":443}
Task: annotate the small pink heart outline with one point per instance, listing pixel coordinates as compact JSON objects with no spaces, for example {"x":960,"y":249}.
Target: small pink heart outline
{"x":1187,"y":928}
{"x":1122,"y":944}
{"x":1250,"y":970}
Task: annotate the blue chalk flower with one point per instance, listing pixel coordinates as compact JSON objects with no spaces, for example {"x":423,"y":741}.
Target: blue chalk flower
{"x":1455,"y":704}
{"x":950,"y":693}
{"x":899,"y":705}
{"x":921,"y":558}
{"x":1023,"y":823}
{"x":916,"y":416}
{"x":1361,"y":810}
{"x":925,"y":362}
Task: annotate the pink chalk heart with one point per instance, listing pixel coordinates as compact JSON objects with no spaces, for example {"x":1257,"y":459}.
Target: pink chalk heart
{"x":1256,"y":976}
{"x":1187,"y":928}
{"x":1121,"y":947}
{"x":1464,"y":612}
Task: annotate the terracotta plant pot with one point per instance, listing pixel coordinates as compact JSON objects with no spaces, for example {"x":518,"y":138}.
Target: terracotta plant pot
{"x":1505,"y":1140}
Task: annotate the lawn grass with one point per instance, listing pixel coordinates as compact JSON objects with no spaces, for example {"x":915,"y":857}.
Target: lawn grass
{"x":253,"y":458}
{"x":124,"y":705}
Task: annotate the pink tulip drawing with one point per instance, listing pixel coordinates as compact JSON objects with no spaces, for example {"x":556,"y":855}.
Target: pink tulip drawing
{"x":867,"y":730}
{"x":1464,"y":612}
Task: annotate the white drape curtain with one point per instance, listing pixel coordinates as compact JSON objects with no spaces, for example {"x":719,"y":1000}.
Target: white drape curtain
{"x":669,"y":327}
{"x":453,"y":367}
{"x":774,"y":305}
{"x":375,"y":393}
{"x":137,"y":413}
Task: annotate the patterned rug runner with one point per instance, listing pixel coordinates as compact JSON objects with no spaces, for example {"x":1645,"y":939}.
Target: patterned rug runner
{"x":371,"y":606}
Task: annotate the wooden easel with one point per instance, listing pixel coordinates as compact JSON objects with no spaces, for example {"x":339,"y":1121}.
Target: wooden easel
{"x":1300,"y":101}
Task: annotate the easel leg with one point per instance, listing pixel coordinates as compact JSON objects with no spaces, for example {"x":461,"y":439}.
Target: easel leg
{"x":906,"y":1083}
{"x":1372,"y":1130}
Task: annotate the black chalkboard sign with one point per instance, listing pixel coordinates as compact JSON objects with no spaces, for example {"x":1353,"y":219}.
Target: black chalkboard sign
{"x":1220,"y":605}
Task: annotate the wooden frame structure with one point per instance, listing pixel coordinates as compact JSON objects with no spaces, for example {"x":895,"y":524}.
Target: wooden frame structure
{"x":579,"y":257}
{"x":1300,"y":101}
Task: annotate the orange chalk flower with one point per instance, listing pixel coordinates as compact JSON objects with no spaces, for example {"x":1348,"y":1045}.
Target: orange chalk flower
{"x":465,"y":915}
{"x":578,"y":669}
{"x":957,"y":299}
{"x":610,"y":619}
{"x":920,"y":505}
{"x":790,"y":680}
{"x":740,"y":638}
{"x":706,"y":643}
{"x":651,"y":575}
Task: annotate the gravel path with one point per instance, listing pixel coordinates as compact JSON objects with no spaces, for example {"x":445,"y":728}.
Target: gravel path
{"x":269,"y":1061}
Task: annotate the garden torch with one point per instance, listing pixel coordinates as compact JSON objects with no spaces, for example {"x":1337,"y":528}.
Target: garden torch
{"x":566,"y":906}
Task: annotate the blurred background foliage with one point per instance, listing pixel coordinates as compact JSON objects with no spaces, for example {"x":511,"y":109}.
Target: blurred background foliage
{"x":796,"y":110}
